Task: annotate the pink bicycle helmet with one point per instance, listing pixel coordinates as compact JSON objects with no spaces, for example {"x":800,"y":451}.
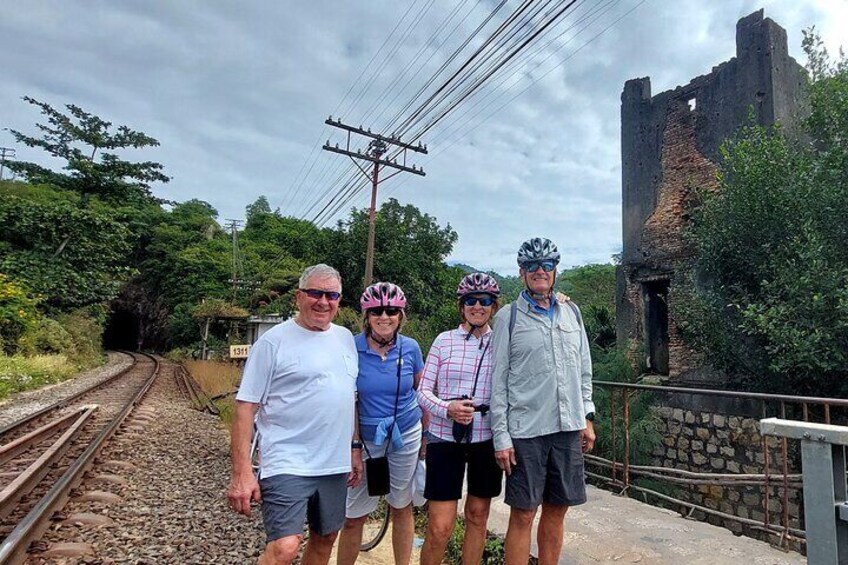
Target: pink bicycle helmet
{"x":479,"y":283}
{"x":382,"y":294}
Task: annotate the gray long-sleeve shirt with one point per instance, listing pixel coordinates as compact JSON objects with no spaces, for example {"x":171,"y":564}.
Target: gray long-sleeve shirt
{"x":542,"y":377}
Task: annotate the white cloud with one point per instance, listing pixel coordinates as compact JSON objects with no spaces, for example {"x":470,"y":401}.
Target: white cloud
{"x":238,"y":93}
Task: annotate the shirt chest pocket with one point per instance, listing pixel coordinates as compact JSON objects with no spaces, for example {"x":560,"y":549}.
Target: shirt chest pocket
{"x":351,"y":364}
{"x":568,"y":335}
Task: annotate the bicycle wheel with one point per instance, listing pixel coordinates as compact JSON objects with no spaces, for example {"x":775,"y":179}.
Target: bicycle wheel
{"x":375,"y":526}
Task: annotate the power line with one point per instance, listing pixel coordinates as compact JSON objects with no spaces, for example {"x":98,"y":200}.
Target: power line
{"x":465,"y":132}
{"x":5,"y":153}
{"x":499,"y":58}
{"x":321,"y":136}
{"x":378,"y":147}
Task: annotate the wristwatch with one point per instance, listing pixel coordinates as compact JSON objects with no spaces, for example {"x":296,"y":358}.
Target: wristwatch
{"x":590,"y":416}
{"x":356,"y":444}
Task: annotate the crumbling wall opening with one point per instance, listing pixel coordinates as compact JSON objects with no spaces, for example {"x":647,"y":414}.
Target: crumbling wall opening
{"x":655,"y":307}
{"x":693,"y":103}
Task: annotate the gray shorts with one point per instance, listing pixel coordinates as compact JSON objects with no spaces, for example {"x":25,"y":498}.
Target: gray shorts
{"x":288,"y":501}
{"x":549,"y":469}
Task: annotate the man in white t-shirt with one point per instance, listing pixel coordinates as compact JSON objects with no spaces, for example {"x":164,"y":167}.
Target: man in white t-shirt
{"x":299,"y":387}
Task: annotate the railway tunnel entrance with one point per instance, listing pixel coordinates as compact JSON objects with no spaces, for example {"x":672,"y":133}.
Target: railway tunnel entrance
{"x":122,"y":331}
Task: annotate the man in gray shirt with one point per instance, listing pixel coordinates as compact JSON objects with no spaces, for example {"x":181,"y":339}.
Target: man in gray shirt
{"x":541,"y":407}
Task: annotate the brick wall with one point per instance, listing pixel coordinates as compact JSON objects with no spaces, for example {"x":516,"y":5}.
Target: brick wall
{"x":670,"y":147}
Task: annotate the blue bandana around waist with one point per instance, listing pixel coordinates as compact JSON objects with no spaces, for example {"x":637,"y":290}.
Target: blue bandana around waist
{"x":376,"y":430}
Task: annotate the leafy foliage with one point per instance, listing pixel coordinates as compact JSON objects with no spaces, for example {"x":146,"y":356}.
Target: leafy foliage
{"x":217,"y":308}
{"x":772,"y":303}
{"x":86,"y":144}
{"x":18,"y":312}
{"x":75,"y":257}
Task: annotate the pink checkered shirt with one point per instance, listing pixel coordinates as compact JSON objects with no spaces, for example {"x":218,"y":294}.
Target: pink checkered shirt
{"x":449,"y":373}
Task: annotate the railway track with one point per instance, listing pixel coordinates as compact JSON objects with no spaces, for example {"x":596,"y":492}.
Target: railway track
{"x":44,"y":456}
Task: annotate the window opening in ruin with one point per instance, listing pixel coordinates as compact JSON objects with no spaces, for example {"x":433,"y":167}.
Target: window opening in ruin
{"x":655,"y":300}
{"x":693,"y":103}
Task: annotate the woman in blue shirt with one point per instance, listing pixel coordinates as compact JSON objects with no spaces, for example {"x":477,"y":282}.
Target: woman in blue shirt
{"x":389,"y":419}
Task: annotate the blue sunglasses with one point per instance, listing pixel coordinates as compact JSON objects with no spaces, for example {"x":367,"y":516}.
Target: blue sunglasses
{"x":533,"y":266}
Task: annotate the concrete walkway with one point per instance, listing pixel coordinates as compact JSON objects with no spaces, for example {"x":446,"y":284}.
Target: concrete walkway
{"x":610,"y":528}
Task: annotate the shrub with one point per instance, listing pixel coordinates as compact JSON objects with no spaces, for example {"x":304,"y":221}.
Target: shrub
{"x":349,"y":318}
{"x":18,"y":313}
{"x":46,"y":336}
{"x":19,"y":373}
{"x":86,"y":332}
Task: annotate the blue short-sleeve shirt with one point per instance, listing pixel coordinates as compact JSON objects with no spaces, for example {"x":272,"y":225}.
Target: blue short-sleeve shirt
{"x":377,"y":383}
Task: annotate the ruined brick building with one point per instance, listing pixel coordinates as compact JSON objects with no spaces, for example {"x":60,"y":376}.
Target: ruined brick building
{"x":669,"y":153}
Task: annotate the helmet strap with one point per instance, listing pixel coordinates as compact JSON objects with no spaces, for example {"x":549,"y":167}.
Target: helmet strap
{"x":378,"y":340}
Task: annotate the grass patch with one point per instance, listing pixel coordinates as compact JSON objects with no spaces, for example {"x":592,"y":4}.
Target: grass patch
{"x":19,"y":373}
{"x":217,"y":378}
{"x":493,"y":551}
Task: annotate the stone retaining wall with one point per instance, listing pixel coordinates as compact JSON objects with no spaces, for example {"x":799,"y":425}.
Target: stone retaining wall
{"x":711,"y":442}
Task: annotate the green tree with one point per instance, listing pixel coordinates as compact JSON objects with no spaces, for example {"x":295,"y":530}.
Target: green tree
{"x":771,"y":297}
{"x":87,"y":144}
{"x":410,"y":248}
{"x":73,"y":257}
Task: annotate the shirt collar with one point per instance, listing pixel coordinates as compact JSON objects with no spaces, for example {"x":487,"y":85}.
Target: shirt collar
{"x":463,"y":333}
{"x":362,"y":343}
{"x":535,"y":305}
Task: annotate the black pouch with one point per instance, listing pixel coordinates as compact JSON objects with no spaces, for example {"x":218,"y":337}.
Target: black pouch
{"x":377,"y":473}
{"x":461,"y":432}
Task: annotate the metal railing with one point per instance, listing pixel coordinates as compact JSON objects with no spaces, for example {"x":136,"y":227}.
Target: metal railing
{"x":619,"y":471}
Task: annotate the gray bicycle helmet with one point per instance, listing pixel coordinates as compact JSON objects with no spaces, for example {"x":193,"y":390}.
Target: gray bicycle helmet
{"x":538,"y":249}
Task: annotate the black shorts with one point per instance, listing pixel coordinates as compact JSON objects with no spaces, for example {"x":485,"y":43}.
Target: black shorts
{"x":549,"y":469}
{"x":446,"y":461}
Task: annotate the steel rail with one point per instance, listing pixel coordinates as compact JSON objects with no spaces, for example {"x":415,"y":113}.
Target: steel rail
{"x":198,"y":397}
{"x":65,"y":401}
{"x":692,"y":477}
{"x":13,"y":550}
{"x":826,"y":402}
{"x":24,"y":483}
{"x":14,"y":448}
{"x":637,"y":469}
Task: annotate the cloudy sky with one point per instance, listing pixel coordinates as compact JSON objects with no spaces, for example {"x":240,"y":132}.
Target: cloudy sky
{"x":237,"y":93}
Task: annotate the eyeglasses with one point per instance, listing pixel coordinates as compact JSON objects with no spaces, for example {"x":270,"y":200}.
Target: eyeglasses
{"x":533,"y":266}
{"x":387,"y":310}
{"x":316,"y":294}
{"x":474,"y":300}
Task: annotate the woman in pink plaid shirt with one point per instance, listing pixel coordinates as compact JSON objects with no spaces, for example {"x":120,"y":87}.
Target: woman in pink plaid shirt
{"x":455,"y":391}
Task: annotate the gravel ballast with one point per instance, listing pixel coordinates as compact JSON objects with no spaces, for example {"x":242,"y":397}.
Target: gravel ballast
{"x":172,"y":468}
{"x":23,"y":404}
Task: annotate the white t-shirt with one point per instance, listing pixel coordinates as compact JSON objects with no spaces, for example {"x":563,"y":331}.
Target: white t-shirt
{"x":305,"y":422}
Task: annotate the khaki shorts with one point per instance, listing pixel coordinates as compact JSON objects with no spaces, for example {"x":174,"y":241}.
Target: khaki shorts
{"x":549,"y":469}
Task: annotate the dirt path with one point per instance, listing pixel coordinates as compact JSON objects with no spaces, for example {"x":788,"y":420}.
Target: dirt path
{"x":382,"y":554}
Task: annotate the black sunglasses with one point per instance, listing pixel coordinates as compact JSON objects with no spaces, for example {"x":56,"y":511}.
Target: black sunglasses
{"x":388,"y":310}
{"x":533,"y":266}
{"x":318,"y":294}
{"x":474,"y":300}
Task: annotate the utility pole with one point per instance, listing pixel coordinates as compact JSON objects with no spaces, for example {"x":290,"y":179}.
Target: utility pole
{"x":235,"y":280}
{"x":378,"y":147}
{"x":5,"y":153}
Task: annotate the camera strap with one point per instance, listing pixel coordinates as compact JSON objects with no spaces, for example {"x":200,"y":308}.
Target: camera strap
{"x":479,"y":366}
